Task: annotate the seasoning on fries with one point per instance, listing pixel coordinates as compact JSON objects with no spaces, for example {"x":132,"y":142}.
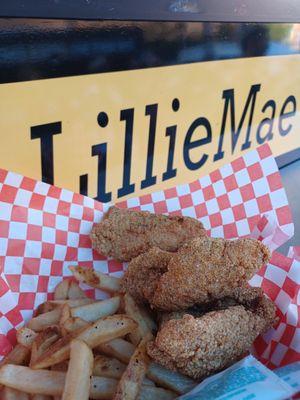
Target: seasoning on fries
{"x":131,"y":380}
{"x":77,"y":383}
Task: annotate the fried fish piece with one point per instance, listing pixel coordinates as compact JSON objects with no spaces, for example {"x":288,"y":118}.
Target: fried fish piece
{"x":207,"y":268}
{"x":124,"y":234}
{"x":203,"y":270}
{"x":246,"y":295}
{"x":143,"y":274}
{"x":199,"y":347}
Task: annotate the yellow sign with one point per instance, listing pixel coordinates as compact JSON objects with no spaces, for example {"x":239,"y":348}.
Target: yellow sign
{"x":119,"y":134}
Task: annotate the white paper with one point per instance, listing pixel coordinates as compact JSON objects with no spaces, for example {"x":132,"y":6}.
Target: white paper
{"x":246,"y":380}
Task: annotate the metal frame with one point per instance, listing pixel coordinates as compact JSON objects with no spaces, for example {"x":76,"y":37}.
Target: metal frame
{"x":156,"y":10}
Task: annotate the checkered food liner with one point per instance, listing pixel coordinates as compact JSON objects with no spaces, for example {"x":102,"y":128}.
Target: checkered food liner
{"x":45,"y":229}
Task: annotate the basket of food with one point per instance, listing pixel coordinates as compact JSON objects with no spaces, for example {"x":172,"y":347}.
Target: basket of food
{"x":157,"y":297}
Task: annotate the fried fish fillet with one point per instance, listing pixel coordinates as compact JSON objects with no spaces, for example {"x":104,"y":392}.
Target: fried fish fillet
{"x":143,"y":274}
{"x":124,"y":234}
{"x":199,"y":347}
{"x":204,"y":269}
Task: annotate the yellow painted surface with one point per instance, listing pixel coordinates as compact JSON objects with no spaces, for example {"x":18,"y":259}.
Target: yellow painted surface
{"x":77,"y":101}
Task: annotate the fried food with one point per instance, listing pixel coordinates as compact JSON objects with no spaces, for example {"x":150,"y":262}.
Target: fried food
{"x":143,"y":274}
{"x":124,"y":234}
{"x":204,"y":269}
{"x":198,"y":347}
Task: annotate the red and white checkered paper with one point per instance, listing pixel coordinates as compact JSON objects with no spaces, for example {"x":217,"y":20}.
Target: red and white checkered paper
{"x":44,"y":229}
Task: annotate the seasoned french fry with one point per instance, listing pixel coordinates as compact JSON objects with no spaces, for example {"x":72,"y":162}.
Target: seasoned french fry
{"x":61,"y":290}
{"x":26,"y":336}
{"x":52,"y":304}
{"x":152,"y":392}
{"x":12,"y":394}
{"x":77,"y":383}
{"x":104,"y":389}
{"x":101,"y":331}
{"x":111,"y":368}
{"x":75,"y":292}
{"x":42,"y":342}
{"x":63,"y":366}
{"x":72,"y":302}
{"x":73,"y":324}
{"x":96,"y":279}
{"x":132,"y":378}
{"x":20,"y":355}
{"x":45,"y":307}
{"x":31,"y":381}
{"x":118,"y":348}
{"x":133,"y":311}
{"x":51,"y":383}
{"x":148,"y":319}
{"x":171,"y":380}
{"x":45,"y":320}
{"x":99,"y":309}
{"x":148,"y":382}
{"x":65,"y":315}
{"x":108,"y":367}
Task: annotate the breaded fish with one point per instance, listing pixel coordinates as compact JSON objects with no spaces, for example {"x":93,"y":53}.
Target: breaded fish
{"x":124,"y":234}
{"x":143,"y":274}
{"x":203,"y":270}
{"x":199,"y":347}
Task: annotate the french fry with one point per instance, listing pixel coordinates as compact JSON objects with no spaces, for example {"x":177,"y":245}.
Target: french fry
{"x":52,"y":304}
{"x":73,"y":324}
{"x":171,"y":380}
{"x":101,"y":331}
{"x":71,"y":302}
{"x":12,"y":394}
{"x":42,"y":342}
{"x":45,"y":320}
{"x":20,"y":355}
{"x":44,"y":308}
{"x":26,"y":336}
{"x":148,"y":382}
{"x":77,"y":383}
{"x":132,"y":378}
{"x":99,"y":309}
{"x":26,"y":380}
{"x":104,"y":389}
{"x":111,"y":368}
{"x":133,"y":311}
{"x":61,"y":290}
{"x":75,"y":292}
{"x":152,"y":392}
{"x":108,"y":367}
{"x":118,"y":348}
{"x":65,"y":315}
{"x":63,"y":366}
{"x":148,"y":319}
{"x":51,"y":383}
{"x":96,"y":279}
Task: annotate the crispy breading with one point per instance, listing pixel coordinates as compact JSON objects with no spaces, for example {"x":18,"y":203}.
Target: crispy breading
{"x":141,"y":278}
{"x":124,"y":234}
{"x":247,"y":296}
{"x":207,"y":268}
{"x":203,"y":270}
{"x":198,"y":347}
